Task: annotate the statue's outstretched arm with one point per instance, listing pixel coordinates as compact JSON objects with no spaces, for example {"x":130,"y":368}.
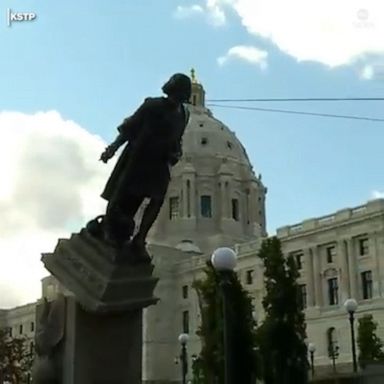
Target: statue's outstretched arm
{"x":128,"y":130}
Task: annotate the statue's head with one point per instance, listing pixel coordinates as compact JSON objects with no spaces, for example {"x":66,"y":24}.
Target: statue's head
{"x":178,"y":87}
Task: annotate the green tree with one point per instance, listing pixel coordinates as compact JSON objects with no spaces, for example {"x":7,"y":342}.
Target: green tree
{"x":282,"y":334}
{"x":16,"y":358}
{"x":209,"y":365}
{"x":370,"y":345}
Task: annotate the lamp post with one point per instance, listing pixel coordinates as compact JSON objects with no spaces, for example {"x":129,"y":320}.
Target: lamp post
{"x":312,"y":349}
{"x":351,"y":307}
{"x":183,"y":340}
{"x":224,"y":261}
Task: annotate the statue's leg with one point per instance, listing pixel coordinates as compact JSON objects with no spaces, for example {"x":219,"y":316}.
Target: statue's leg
{"x":119,"y":220}
{"x":150,"y":214}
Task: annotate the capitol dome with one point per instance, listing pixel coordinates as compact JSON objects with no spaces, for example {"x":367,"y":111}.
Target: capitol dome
{"x":214,"y":197}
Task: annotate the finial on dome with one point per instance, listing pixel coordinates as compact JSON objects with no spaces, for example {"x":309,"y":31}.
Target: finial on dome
{"x":193,"y":75}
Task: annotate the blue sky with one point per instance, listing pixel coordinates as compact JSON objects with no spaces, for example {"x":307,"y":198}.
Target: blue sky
{"x":95,"y":61}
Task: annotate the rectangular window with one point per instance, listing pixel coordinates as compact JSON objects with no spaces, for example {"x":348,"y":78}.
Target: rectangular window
{"x":363,"y":247}
{"x":31,"y":347}
{"x":333,"y":291}
{"x":299,"y":260}
{"x":303,"y":296}
{"x":10,"y":333}
{"x":185,"y":322}
{"x":331,"y":253}
{"x":235,"y":209}
{"x":206,"y":206}
{"x":20,"y":329}
{"x":185,"y":291}
{"x":249,"y":277}
{"x":173,"y":207}
{"x":367,"y":283}
{"x":32,"y":326}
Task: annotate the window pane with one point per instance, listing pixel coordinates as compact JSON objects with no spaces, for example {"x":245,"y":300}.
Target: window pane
{"x":185,"y":292}
{"x":363,"y":247}
{"x":185,"y":322}
{"x":331,"y":253}
{"x":303,"y":296}
{"x":206,"y":206}
{"x":333,"y":291}
{"x":173,"y":207}
{"x":249,"y":277}
{"x":235,"y":209}
{"x":367,"y":283}
{"x":299,"y":260}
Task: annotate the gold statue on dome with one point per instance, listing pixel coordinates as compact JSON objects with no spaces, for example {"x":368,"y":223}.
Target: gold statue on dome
{"x":193,"y":76}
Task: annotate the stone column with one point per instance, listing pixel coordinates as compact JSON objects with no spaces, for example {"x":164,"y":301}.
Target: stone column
{"x":374,"y":252}
{"x":317,"y":276}
{"x":343,"y":270}
{"x":192,"y":200}
{"x":309,"y":277}
{"x":228,"y":196}
{"x":223,"y":198}
{"x":352,"y":269}
{"x":254,"y":205}
{"x":186,"y":193}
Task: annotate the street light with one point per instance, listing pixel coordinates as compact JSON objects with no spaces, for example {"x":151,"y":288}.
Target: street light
{"x":312,"y":349}
{"x":224,"y":261}
{"x":183,"y":340}
{"x":351,"y":307}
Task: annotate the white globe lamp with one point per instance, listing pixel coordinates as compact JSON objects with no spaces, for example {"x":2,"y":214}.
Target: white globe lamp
{"x":224,"y":259}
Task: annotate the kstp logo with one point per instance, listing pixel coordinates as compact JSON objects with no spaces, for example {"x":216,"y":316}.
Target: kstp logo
{"x":19,"y":16}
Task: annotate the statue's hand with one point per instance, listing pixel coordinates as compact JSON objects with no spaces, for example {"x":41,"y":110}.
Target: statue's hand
{"x":108,"y":153}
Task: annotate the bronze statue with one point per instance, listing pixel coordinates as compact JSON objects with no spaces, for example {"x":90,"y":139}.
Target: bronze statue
{"x":153,"y":135}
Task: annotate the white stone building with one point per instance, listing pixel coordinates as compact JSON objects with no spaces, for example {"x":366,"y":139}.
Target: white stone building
{"x":215,"y":199}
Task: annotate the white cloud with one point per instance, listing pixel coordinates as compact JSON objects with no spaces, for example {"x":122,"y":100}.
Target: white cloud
{"x":212,"y":10}
{"x":377,"y":194}
{"x":373,"y":70}
{"x":183,"y":12}
{"x":250,"y":54}
{"x":51,"y":181}
{"x":367,"y":72}
{"x":215,"y":12}
{"x":330,"y":32}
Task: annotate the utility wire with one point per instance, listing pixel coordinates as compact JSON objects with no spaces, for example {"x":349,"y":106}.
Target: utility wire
{"x":297,"y":112}
{"x":300,"y":99}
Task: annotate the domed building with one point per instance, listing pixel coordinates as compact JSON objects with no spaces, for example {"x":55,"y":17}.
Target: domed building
{"x":214,"y":196}
{"x":214,"y":199}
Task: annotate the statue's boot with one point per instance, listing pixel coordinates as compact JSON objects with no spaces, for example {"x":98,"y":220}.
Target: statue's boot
{"x":95,"y":227}
{"x":137,"y":244}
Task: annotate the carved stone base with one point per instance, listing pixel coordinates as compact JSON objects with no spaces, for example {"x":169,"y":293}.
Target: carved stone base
{"x":102,"y":348}
{"x":102,"y":278}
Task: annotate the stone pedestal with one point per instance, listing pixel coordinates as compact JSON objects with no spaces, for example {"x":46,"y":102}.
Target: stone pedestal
{"x":102,"y":342}
{"x":102,"y":349}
